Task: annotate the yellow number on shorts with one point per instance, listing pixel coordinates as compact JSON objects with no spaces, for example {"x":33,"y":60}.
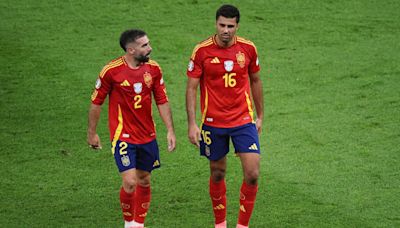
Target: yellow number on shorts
{"x":229,"y":80}
{"x":122,"y":148}
{"x":137,"y":99}
{"x":206,"y":137}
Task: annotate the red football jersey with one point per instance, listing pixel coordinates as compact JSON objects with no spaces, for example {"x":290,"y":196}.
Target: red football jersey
{"x":130,"y":101}
{"x":224,"y":81}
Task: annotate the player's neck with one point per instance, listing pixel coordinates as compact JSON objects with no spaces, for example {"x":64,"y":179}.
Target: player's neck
{"x":132,"y":62}
{"x":224,"y":44}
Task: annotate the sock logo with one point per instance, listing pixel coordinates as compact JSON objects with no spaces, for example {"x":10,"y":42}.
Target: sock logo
{"x":127,"y":213}
{"x":219,"y":207}
{"x":242,"y":196}
{"x":242,"y":208}
{"x":125,"y":206}
{"x":216,"y":198}
{"x":146,"y":205}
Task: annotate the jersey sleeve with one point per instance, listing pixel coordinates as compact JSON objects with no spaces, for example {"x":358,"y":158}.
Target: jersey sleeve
{"x":102,"y":87}
{"x":159,"y":89}
{"x":195,"y":67}
{"x":254,"y":65}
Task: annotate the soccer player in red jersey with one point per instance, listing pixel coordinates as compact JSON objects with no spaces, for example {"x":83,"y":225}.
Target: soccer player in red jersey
{"x":227,"y":69}
{"x":130,"y":81}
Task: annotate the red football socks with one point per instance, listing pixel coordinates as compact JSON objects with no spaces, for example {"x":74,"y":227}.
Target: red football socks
{"x":127,"y":204}
{"x":142,"y":202}
{"x":247,"y":199}
{"x":218,"y":198}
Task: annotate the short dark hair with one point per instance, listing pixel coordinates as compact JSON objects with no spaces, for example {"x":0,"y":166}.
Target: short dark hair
{"x":130,"y":36}
{"x":228,"y":11}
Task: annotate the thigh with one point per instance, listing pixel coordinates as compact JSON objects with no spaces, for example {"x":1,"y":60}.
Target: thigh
{"x":148,"y":156}
{"x":214,"y":142}
{"x":124,"y":155}
{"x":245,"y":139}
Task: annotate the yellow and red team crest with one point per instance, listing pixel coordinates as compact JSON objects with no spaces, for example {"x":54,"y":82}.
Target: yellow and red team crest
{"x":241,"y":59}
{"x":148,"y":80}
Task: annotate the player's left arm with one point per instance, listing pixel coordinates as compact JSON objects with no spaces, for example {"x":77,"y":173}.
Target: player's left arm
{"x":166,"y":116}
{"x":161,"y":98}
{"x":258,"y":98}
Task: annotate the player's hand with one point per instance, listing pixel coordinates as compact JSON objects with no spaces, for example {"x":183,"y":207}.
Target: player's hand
{"x":94,"y":141}
{"x":259,"y":125}
{"x":171,"y":141}
{"x":194,"y":135}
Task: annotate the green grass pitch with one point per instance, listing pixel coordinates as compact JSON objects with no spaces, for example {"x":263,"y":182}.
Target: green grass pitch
{"x":330,"y":146}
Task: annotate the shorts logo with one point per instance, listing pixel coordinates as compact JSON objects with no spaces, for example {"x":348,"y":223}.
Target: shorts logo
{"x":125,"y":160}
{"x":208,"y":151}
{"x":156,"y":163}
{"x":137,"y":87}
{"x":253,"y":147}
{"x":241,"y":59}
{"x":191,"y":65}
{"x":257,"y":62}
{"x":228,"y":64}
{"x":162,"y":81}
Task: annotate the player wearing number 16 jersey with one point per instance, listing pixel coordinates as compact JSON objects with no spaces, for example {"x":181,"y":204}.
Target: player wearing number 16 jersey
{"x":227,"y":69}
{"x":130,"y":81}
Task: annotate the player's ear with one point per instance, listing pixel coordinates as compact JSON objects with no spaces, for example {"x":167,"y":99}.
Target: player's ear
{"x":130,"y":50}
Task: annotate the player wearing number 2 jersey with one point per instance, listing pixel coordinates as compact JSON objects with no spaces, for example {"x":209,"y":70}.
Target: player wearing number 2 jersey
{"x":130,"y":81}
{"x":227,"y":69}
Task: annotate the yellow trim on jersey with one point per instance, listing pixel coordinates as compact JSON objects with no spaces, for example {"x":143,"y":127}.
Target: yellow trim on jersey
{"x":111,"y":65}
{"x":153,"y":63}
{"x":205,"y":43}
{"x":251,"y":113}
{"x":203,"y":116}
{"x":243,"y":40}
{"x":94,"y":94}
{"x":118,"y":130}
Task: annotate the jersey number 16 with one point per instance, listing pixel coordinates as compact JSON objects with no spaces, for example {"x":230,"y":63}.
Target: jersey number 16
{"x":229,"y":80}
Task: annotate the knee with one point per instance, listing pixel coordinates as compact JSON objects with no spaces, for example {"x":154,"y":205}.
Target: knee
{"x":217,"y":175}
{"x":129,"y":184}
{"x":145,"y":182}
{"x":251,"y":177}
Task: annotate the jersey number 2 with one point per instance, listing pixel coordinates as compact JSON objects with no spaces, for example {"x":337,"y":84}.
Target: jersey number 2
{"x":137,"y":100}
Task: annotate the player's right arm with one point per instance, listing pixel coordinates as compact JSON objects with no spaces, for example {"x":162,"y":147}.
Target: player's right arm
{"x":191,"y":92}
{"x":102,"y":88}
{"x":92,"y":137}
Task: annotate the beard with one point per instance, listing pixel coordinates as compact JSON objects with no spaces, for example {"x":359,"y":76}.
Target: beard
{"x":143,"y":58}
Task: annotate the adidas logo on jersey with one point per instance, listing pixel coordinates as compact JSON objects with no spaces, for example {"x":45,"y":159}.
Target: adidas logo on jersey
{"x":125,"y":83}
{"x":253,"y":147}
{"x":215,"y":60}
